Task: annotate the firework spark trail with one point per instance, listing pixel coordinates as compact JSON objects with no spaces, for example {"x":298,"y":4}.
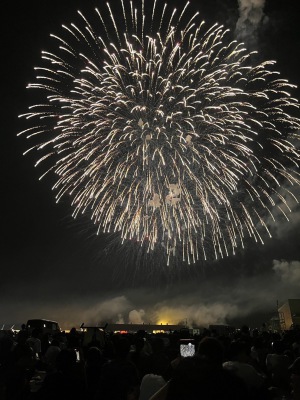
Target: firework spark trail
{"x":164,"y":132}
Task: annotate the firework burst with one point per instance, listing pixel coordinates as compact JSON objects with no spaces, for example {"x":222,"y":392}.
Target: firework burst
{"x":164,"y":131}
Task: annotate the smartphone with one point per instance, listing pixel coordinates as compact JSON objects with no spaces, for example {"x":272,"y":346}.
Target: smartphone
{"x":187,"y":348}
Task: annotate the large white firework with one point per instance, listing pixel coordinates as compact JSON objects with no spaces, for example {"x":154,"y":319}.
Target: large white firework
{"x":164,"y":131}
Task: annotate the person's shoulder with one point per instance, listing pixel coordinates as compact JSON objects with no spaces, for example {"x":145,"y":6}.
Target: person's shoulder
{"x":52,"y":377}
{"x":33,"y":339}
{"x":230,"y":366}
{"x":229,"y":376}
{"x":153,"y":378}
{"x":247,"y":368}
{"x":234,"y":384}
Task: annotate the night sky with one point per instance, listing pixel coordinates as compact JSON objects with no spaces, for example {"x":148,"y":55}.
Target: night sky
{"x":56,"y":268}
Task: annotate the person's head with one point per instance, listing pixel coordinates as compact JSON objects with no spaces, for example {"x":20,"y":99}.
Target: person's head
{"x":35,"y":333}
{"x":212,"y":350}
{"x":55,"y":342}
{"x":22,"y":337}
{"x":94,"y":356}
{"x":245,"y":330}
{"x":239,"y":350}
{"x":139,"y":343}
{"x":66,"y":360}
{"x":195,"y":378}
{"x":122,"y":347}
{"x":278,"y":346}
{"x":157,"y":345}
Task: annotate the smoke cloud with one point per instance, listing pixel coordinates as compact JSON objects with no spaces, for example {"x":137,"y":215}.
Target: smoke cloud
{"x":136,"y":317}
{"x":251,"y":15}
{"x":288,"y":272}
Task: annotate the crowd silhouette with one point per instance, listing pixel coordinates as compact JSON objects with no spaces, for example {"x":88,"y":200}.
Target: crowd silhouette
{"x":243,"y":365}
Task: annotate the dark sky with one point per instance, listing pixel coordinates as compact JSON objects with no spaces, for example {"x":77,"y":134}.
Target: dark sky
{"x":53,"y":267}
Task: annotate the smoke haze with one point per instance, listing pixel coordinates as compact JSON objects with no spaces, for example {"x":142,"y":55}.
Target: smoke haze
{"x":198,"y":304}
{"x":251,"y":15}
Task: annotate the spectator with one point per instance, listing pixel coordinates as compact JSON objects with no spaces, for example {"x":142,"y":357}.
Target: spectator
{"x":138,"y":356}
{"x":65,"y":382}
{"x":150,"y":384}
{"x":23,"y":356}
{"x":51,"y":355}
{"x":18,"y":371}
{"x":197,"y":378}
{"x":157,"y":369}
{"x":240,"y":365}
{"x":93,"y":369}
{"x":119,"y":379}
{"x":73,"y":339}
{"x":158,"y":362}
{"x":277,"y":365}
{"x":17,"y":384}
{"x":212,"y":350}
{"x":35,"y":343}
{"x":294,"y":370}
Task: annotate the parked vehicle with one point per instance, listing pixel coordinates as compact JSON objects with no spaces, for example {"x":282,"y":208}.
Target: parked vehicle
{"x":43,"y":325}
